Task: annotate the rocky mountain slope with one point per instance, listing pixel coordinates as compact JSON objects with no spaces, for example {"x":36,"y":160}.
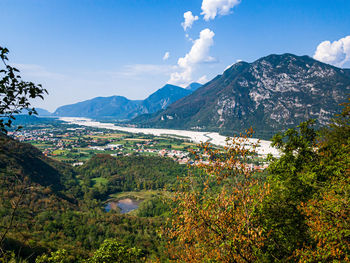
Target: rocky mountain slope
{"x":162,"y":98}
{"x":121,"y":108}
{"x":270,"y":95}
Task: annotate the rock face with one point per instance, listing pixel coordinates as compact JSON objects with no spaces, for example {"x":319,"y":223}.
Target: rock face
{"x":163,"y":97}
{"x":271,"y":94}
{"x":121,"y":108}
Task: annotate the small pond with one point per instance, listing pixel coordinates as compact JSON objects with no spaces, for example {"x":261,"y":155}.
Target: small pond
{"x":125,"y":205}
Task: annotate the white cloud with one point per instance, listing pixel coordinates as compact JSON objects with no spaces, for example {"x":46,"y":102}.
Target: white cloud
{"x":166,"y":55}
{"x":211,"y":8}
{"x":336,"y":53}
{"x":202,"y":80}
{"x":189,"y":19}
{"x":237,"y":61}
{"x":229,"y":66}
{"x":199,"y":53}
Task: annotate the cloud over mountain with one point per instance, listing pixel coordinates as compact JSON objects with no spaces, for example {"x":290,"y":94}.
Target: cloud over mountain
{"x":199,"y":53}
{"x":336,"y":53}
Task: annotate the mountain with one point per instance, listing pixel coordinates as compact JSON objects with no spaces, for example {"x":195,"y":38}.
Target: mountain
{"x":121,"y":108}
{"x":43,"y":112}
{"x":117,"y":107}
{"x":40,"y":111}
{"x":163,"y":97}
{"x":25,"y":120}
{"x":271,"y":94}
{"x":194,"y":86}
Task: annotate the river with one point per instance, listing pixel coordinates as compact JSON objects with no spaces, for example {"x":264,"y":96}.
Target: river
{"x":194,"y":136}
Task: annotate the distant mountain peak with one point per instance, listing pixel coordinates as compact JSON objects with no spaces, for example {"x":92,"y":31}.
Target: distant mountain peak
{"x":270,"y":94}
{"x":194,"y":86}
{"x":121,"y":108}
{"x":40,"y":111}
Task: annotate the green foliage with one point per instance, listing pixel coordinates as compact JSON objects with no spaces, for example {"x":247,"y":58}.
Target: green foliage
{"x":54,"y":214}
{"x":111,"y":251}
{"x":60,"y":256}
{"x":304,"y":214}
{"x":157,"y":206}
{"x":301,"y":213}
{"x":10,"y":257}
{"x":14,"y":93}
{"x":130,"y":173}
{"x":292,"y":181}
{"x":28,"y":162}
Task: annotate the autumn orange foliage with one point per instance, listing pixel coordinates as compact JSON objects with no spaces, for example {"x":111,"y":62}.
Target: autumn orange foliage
{"x":219,"y":225}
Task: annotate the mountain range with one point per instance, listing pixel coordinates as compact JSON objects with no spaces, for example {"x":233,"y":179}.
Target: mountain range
{"x":121,"y":108}
{"x":271,"y":94}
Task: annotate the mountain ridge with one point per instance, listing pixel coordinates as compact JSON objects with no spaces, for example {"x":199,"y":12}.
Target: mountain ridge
{"x":121,"y":108}
{"x":270,"y":94}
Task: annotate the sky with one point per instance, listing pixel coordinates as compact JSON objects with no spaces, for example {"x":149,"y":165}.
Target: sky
{"x":81,"y":49}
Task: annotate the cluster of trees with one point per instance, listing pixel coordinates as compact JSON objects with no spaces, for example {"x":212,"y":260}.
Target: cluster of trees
{"x":129,"y":173}
{"x":54,"y":211}
{"x":299,"y":212}
{"x":296,"y":211}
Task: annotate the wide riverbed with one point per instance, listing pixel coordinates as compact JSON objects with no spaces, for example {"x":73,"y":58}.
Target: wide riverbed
{"x":195,"y":136}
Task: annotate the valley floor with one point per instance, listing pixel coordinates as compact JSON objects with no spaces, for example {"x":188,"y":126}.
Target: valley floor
{"x":195,"y":136}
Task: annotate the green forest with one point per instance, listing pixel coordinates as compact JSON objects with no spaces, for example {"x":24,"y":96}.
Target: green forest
{"x":295,"y":211}
{"x":218,"y":209}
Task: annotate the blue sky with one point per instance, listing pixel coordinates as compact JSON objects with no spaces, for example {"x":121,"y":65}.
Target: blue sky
{"x":80,"y":49}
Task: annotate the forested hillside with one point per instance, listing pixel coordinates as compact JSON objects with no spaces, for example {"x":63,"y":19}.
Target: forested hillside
{"x":298,"y":211}
{"x":47,"y":205}
{"x":295,"y":211}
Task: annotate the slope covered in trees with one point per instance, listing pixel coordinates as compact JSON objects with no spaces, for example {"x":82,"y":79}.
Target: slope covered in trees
{"x":56,"y":209}
{"x":297,"y":212}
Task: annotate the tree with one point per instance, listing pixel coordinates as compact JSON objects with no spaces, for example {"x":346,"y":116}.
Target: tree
{"x":291,"y":181}
{"x":59,"y":256}
{"x":15,"y":93}
{"x":14,"y":98}
{"x":298,"y":213}
{"x":328,"y":210}
{"x":111,"y":251}
{"x":306,"y":215}
{"x":215,"y":219}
